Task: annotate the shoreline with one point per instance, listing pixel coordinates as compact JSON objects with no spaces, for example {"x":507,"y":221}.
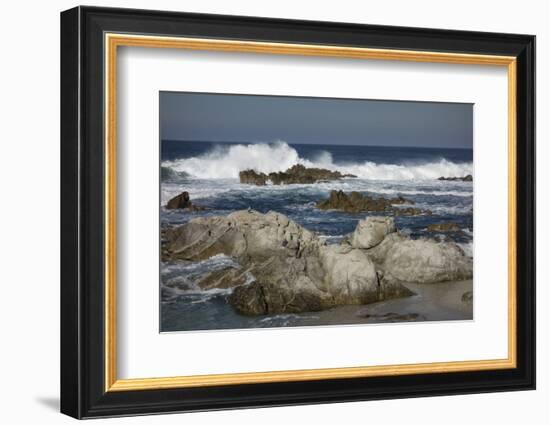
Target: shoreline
{"x":433,"y":302}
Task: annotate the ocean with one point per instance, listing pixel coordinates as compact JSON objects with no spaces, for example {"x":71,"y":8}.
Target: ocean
{"x":209,"y":172}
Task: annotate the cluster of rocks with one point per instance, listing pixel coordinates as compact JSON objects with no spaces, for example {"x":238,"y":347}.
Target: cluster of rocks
{"x":295,"y":271}
{"x":182,"y":201}
{"x":447,"y":227}
{"x":297,"y":174}
{"x":467,"y":178}
{"x":355,"y":203}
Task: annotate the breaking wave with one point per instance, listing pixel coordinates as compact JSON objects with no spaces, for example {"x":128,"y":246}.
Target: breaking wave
{"x":226,"y":162}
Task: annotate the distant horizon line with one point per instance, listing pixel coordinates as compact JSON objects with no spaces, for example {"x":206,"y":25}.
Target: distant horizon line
{"x":307,"y":143}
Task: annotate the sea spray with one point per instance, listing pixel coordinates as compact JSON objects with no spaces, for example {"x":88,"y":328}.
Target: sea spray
{"x":225,"y":162}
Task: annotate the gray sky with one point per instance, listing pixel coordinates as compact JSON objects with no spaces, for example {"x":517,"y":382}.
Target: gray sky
{"x":246,"y":118}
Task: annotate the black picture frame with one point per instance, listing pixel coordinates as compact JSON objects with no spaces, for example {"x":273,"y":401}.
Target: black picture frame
{"x":83,"y":392}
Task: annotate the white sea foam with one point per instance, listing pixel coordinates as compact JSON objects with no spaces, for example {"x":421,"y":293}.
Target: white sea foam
{"x":422,"y":192}
{"x":227,"y":161}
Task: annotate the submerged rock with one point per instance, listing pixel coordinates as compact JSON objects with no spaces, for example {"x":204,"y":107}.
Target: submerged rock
{"x":297,"y":174}
{"x":444,"y":227}
{"x":391,"y":317}
{"x":467,"y":178}
{"x":467,"y":297}
{"x":285,"y":268}
{"x":410,"y":211}
{"x":182,"y":201}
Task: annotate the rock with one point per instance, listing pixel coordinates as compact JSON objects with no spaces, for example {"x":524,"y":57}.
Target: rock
{"x":410,"y":211}
{"x":352,"y":277}
{"x":293,"y":271}
{"x":423,"y":261}
{"x":242,"y":233}
{"x":182,"y":201}
{"x":252,"y":177}
{"x":297,"y":174}
{"x":400,"y":200}
{"x":467,"y":297}
{"x":379,"y":253}
{"x":444,"y":227}
{"x":355,"y":202}
{"x":391,"y":317}
{"x":283,"y":285}
{"x":467,"y":178}
{"x":371,"y":231}
{"x":337,"y":277}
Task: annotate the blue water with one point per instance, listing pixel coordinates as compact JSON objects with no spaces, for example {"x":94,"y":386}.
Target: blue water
{"x":209,"y":172}
{"x":175,"y":149}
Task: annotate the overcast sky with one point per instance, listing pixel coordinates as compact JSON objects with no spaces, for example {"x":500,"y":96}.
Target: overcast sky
{"x":246,"y":118}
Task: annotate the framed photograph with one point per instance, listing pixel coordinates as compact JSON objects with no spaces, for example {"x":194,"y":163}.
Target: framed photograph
{"x":261,"y":212}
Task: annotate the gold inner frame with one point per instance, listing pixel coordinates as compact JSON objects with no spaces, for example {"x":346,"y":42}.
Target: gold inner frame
{"x":113,"y":41}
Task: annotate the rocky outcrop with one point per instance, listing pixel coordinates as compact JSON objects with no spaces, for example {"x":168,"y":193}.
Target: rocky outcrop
{"x":284,"y":268}
{"x":467,"y":178}
{"x":297,"y":174}
{"x":447,"y":227}
{"x":182,"y":201}
{"x":371,"y":231}
{"x":402,"y":259}
{"x":356,"y":202}
{"x":252,"y":177}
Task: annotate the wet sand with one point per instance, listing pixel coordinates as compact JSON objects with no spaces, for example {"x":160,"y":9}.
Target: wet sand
{"x":432,"y":302}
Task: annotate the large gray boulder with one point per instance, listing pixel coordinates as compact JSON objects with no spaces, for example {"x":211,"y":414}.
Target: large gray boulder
{"x":423,"y":261}
{"x":328,"y":276}
{"x":352,"y":277}
{"x":371,"y":231}
{"x":242,"y":233}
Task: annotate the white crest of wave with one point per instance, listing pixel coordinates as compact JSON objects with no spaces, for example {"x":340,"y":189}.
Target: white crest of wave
{"x":227,"y":161}
{"x":427,"y":171}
